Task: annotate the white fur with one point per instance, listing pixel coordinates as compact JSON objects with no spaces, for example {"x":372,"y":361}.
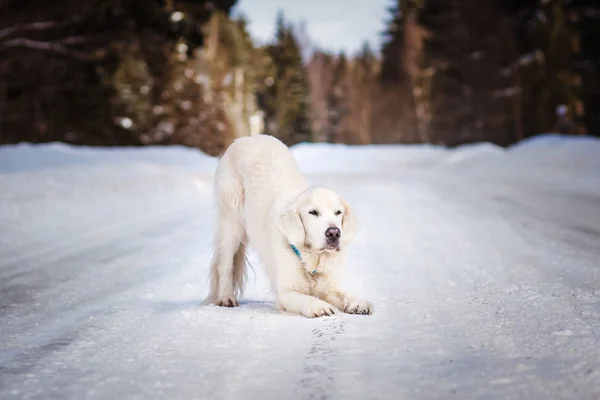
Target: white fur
{"x":264,"y":201}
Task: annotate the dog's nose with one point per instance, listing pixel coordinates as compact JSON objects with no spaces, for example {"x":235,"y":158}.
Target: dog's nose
{"x":333,"y":233}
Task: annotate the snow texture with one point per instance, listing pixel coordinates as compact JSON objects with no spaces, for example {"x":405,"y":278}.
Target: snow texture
{"x":483,"y":265}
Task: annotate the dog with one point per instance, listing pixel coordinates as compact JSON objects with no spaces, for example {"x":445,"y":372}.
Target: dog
{"x":300,"y":233}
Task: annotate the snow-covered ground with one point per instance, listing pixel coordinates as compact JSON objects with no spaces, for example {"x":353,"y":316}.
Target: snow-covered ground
{"x":483,"y":265}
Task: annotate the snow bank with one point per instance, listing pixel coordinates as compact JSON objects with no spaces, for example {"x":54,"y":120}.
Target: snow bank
{"x":26,"y":156}
{"x":339,"y":158}
{"x":546,"y":154}
{"x":546,"y":160}
{"x":561,"y":152}
{"x":545,"y":150}
{"x":63,"y":187}
{"x":470,"y":154}
{"x":543,"y":154}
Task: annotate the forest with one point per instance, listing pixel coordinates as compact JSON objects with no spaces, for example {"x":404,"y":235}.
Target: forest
{"x":187,"y":72}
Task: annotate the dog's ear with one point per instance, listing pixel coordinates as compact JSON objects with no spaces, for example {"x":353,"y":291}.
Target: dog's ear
{"x":291,"y":226}
{"x":349,"y":223}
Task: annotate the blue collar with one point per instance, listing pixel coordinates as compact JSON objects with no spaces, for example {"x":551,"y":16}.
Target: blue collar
{"x":296,"y":251}
{"x":314,"y":271}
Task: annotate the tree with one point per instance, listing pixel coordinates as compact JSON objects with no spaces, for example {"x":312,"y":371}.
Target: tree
{"x":583,"y":18}
{"x":91,"y":72}
{"x":397,"y":109}
{"x":468,"y":48}
{"x":338,"y":105}
{"x":343,"y":90}
{"x":544,"y":66}
{"x":320,"y":75}
{"x":363,"y":90}
{"x":286,"y":95}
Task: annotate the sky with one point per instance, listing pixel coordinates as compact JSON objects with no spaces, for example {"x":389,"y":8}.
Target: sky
{"x":331,"y":24}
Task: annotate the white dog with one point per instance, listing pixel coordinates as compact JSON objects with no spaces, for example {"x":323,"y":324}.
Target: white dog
{"x":299,"y":232}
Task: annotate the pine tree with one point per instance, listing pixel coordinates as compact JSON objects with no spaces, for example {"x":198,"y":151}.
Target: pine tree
{"x":468,"y":48}
{"x":584,"y":17}
{"x":545,"y":65}
{"x":362,"y":93}
{"x":320,"y":75}
{"x":393,"y":37}
{"x":337,"y":101}
{"x":286,"y":96}
{"x":80,"y":71}
{"x":553,"y":78}
{"x":396,"y":112}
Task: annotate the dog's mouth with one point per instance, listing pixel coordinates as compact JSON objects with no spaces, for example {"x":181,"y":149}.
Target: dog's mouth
{"x":331,"y":247}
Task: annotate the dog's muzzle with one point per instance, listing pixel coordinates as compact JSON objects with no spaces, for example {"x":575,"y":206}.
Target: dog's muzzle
{"x":332,"y":238}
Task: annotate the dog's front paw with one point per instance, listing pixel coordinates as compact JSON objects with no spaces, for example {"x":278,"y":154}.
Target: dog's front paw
{"x":318,"y":308}
{"x":226,"y":301}
{"x":356,"y":306}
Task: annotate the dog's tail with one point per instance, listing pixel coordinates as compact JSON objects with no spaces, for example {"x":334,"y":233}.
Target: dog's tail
{"x":240,"y":271}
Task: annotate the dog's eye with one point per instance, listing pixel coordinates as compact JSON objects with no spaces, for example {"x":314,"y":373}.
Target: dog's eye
{"x":314,"y":212}
{"x":338,"y":212}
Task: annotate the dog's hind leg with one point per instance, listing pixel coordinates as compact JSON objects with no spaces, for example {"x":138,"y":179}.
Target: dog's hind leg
{"x":228,"y":266}
{"x":227,"y":269}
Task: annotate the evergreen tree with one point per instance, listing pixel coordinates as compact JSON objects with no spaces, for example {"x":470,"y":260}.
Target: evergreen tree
{"x":80,"y":72}
{"x":584,"y":23}
{"x":468,"y":48}
{"x":343,"y":90}
{"x":286,"y":97}
{"x":338,"y":101}
{"x":392,"y":43}
{"x":553,"y":78}
{"x":544,"y":65}
{"x":397,"y":109}
{"x":363,"y":90}
{"x":320,"y":75}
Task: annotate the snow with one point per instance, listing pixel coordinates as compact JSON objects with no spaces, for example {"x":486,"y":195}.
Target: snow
{"x":474,"y":153}
{"x":482,"y":264}
{"x":344,"y":159}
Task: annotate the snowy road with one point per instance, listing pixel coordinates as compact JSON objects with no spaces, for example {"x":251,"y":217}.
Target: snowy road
{"x":483,"y":266}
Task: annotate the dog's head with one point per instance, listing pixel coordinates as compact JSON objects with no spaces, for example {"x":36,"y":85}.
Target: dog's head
{"x":320,"y":219}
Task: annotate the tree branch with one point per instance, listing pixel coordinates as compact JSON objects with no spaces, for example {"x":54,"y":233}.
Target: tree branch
{"x":57,"y":47}
{"x":73,"y":40}
{"x":31,"y":26}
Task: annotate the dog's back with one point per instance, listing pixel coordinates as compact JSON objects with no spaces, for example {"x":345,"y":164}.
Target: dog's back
{"x":261,"y":162}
